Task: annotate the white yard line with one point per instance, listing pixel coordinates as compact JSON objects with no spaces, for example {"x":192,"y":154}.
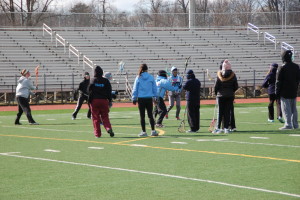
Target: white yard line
{"x":155,"y":174}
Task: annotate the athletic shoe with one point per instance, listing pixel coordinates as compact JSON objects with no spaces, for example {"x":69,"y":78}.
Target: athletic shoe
{"x":73,"y":118}
{"x":88,"y":117}
{"x":18,"y":123}
{"x":111,"y":133}
{"x":159,"y":125}
{"x":34,"y":123}
{"x":154,"y":133}
{"x":178,"y":118}
{"x":97,"y":136}
{"x":233,"y":130}
{"x":167,"y":116}
{"x":190,"y":131}
{"x":270,"y":120}
{"x":217,"y":131}
{"x":226,"y":130}
{"x":280,"y":119}
{"x":143,"y":134}
{"x":285,"y":128}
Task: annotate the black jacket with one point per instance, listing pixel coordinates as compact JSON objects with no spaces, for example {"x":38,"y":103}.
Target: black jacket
{"x":99,"y":88}
{"x":83,"y":87}
{"x":192,"y":87}
{"x":226,"y":84}
{"x":270,"y":80}
{"x":287,"y":80}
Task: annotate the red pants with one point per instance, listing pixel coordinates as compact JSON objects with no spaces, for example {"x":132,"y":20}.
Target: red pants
{"x":100,"y":110}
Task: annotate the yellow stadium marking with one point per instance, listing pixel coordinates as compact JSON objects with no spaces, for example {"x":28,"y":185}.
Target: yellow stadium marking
{"x":153,"y":147}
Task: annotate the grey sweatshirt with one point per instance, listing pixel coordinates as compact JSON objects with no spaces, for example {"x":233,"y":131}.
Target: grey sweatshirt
{"x":24,"y":87}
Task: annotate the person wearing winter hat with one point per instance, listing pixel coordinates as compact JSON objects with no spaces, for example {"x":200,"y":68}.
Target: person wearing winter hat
{"x":176,"y":80}
{"x":163,"y":85}
{"x":83,"y":96}
{"x":192,"y":87}
{"x":144,"y":92}
{"x":269,"y":82}
{"x":23,"y":91}
{"x":100,"y":100}
{"x":286,"y":87}
{"x":225,"y":86}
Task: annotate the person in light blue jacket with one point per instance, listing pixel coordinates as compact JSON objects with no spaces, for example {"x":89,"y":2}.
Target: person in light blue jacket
{"x":163,"y":84}
{"x":144,"y":91}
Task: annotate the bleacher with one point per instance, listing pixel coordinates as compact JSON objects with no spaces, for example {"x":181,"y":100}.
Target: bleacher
{"x":160,"y":49}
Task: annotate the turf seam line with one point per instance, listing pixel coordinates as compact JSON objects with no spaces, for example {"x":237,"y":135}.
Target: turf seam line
{"x":154,"y":173}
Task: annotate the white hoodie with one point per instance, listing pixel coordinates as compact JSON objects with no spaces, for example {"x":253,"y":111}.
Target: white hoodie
{"x":24,"y":87}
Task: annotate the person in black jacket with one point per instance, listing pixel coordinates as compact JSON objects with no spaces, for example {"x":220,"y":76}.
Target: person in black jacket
{"x":269,"y":83}
{"x":100,"y":101}
{"x":225,"y":87}
{"x":192,"y":87}
{"x":83,"y":96}
{"x":287,"y":82}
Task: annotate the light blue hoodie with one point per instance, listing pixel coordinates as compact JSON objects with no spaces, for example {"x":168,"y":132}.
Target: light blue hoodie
{"x":164,"y":84}
{"x":144,"y":87}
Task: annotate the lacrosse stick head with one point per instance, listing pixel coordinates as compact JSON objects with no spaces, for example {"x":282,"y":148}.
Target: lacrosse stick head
{"x":36,"y":70}
{"x":181,"y":128}
{"x":212,"y":125}
{"x":121,"y":66}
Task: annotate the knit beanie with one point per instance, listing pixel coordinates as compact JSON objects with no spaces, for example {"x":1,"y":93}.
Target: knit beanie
{"x":162,"y":73}
{"x":98,"y":72}
{"x":287,"y":56}
{"x":24,"y":72}
{"x":226,"y":65}
{"x":190,"y":74}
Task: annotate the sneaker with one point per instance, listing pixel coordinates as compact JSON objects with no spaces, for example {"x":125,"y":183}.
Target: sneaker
{"x":18,"y":123}
{"x":226,"y":130}
{"x":73,"y":118}
{"x":111,"y":133}
{"x":190,"y":131}
{"x":285,"y":128}
{"x":233,"y":130}
{"x":143,"y":134}
{"x":159,"y":125}
{"x":217,"y":131}
{"x":270,"y":120}
{"x":154,"y":133}
{"x":167,"y":116}
{"x":280,"y":120}
{"x":88,"y":117}
{"x":34,"y":123}
{"x":178,"y":118}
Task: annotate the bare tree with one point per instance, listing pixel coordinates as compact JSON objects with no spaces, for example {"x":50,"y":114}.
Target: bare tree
{"x":26,"y":9}
{"x":82,"y":14}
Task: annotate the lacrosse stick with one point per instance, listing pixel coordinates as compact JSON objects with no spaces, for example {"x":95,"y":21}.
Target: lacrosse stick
{"x":181,"y":128}
{"x":208,"y":75}
{"x":212,"y":125}
{"x":36,"y":71}
{"x":121,"y":68}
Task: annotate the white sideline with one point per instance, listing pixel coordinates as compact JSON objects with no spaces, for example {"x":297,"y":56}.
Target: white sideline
{"x":11,"y":154}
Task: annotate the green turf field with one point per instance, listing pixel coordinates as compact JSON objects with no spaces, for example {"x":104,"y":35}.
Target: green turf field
{"x":61,"y":158}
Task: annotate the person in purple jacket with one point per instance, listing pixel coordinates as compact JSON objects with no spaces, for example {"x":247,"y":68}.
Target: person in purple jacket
{"x":269,"y":83}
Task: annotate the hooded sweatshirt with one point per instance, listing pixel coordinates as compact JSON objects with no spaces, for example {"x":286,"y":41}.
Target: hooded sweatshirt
{"x":163,"y":84}
{"x":24,"y":87}
{"x":144,"y":87}
{"x":226,"y":83}
{"x":288,"y":77}
{"x":176,"y":81}
{"x":270,"y":80}
{"x":192,"y":87}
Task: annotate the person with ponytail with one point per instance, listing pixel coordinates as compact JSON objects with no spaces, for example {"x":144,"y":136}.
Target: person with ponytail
{"x":144,"y":92}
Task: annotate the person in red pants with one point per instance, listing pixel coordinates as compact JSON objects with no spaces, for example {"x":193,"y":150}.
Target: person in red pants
{"x":100,"y":101}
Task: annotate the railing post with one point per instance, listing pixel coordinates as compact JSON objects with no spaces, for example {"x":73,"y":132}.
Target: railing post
{"x":254,"y":83}
{"x":204,"y":93}
{"x":61,"y":90}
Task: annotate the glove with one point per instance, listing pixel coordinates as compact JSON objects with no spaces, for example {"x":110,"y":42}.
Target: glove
{"x":134,"y":102}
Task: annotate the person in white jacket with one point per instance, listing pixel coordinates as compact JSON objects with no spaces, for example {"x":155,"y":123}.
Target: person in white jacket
{"x":23,"y":92}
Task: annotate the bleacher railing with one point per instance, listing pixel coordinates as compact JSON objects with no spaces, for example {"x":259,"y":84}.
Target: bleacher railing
{"x":48,"y":30}
{"x":74,"y":51}
{"x":88,"y":62}
{"x":61,"y":40}
{"x":253,"y":28}
{"x":271,"y":38}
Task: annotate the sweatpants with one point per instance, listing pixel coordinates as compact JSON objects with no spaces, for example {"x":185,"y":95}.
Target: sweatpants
{"x":23,"y":106}
{"x":273,"y":98}
{"x":225,"y":110}
{"x":100,"y":110}
{"x":80,"y":101}
{"x":172,"y":99}
{"x":193,"y":115}
{"x":146,"y":104}
{"x":289,"y":111}
{"x":161,"y":110}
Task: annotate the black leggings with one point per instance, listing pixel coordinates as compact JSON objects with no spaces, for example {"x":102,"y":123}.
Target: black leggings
{"x":23,"y":106}
{"x":146,"y":104}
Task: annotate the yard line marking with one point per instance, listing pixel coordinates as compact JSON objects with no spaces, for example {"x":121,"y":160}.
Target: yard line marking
{"x":163,"y":148}
{"x":96,"y":148}
{"x":52,"y":150}
{"x":211,"y":140}
{"x":138,"y":145}
{"x":156,"y":174}
{"x":267,"y":144}
{"x":179,"y":142}
{"x":262,"y":138}
{"x":296,"y":135}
